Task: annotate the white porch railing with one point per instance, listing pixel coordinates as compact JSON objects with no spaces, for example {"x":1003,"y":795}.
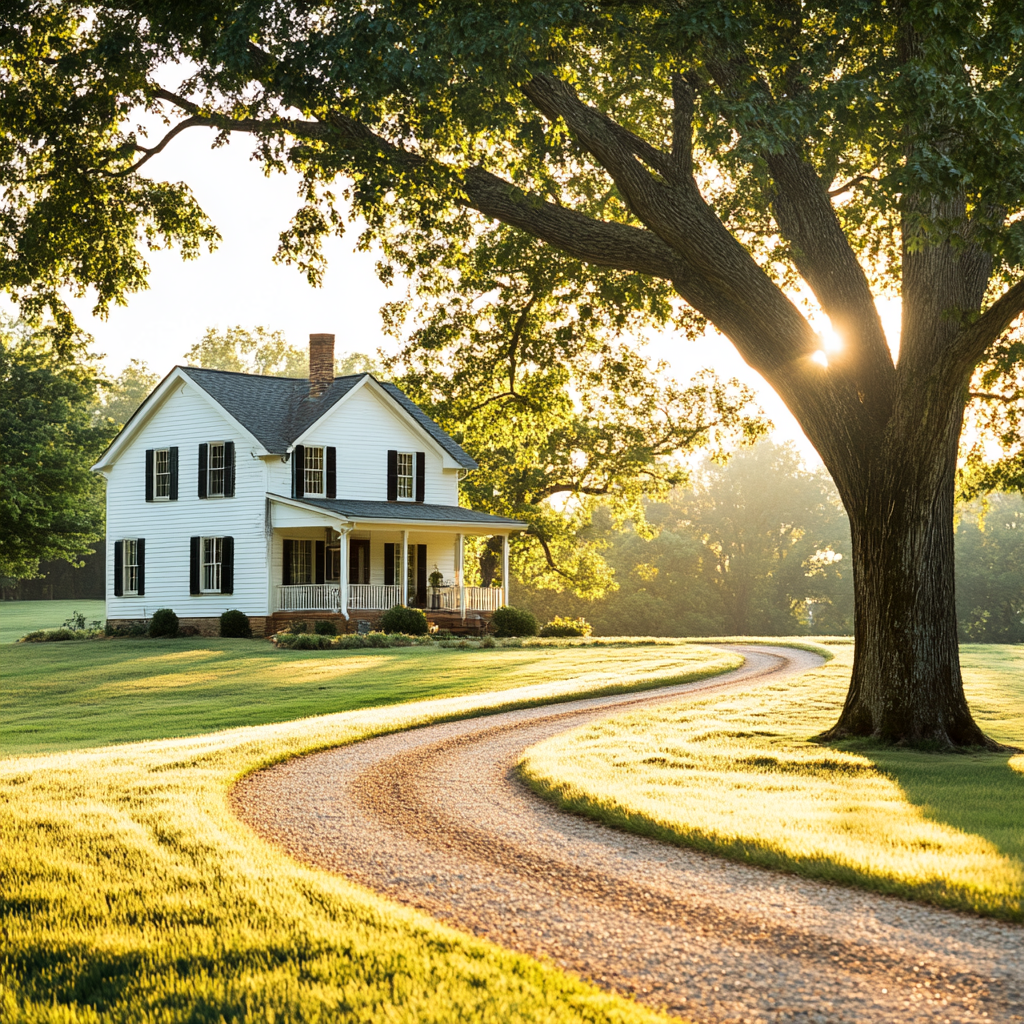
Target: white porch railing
{"x":309,"y":597}
{"x":371,"y":597}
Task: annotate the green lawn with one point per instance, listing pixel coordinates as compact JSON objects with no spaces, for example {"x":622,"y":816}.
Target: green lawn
{"x":132,"y":895}
{"x":60,"y":696}
{"x":20,"y":617}
{"x":738,"y":775}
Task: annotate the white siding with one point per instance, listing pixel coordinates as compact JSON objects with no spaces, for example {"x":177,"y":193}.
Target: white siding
{"x":364,"y":427}
{"x":187,"y":420}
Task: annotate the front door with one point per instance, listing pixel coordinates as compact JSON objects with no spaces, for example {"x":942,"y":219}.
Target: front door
{"x":359,"y":561}
{"x":418,"y":575}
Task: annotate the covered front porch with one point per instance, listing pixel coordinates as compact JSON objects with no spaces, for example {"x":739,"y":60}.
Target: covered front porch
{"x":355,"y":560}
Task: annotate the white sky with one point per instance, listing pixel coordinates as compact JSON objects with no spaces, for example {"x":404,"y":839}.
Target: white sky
{"x":240,"y":284}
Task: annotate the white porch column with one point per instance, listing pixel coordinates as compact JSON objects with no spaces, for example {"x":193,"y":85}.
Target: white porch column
{"x":405,"y":567}
{"x":343,"y":567}
{"x":462,"y":576}
{"x":504,"y":569}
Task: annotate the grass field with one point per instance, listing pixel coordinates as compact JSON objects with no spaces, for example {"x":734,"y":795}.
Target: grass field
{"x":60,"y":696}
{"x":20,"y":617}
{"x":737,"y":775}
{"x":131,"y":894}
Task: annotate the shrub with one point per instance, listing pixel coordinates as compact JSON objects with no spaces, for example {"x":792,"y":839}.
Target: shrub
{"x":310,"y":642}
{"x":163,"y":623}
{"x":298,"y":626}
{"x":375,"y":638}
{"x":324,"y":627}
{"x":402,"y":619}
{"x":351,"y":642}
{"x":76,"y":620}
{"x":234,"y":623}
{"x":510,"y":621}
{"x":566,"y":627}
{"x":400,"y":640}
{"x":45,"y":636}
{"x":443,"y":634}
{"x":488,"y":641}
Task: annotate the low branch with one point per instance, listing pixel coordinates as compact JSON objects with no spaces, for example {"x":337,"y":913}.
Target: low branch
{"x":979,"y":336}
{"x":189,"y":122}
{"x":852,"y":183}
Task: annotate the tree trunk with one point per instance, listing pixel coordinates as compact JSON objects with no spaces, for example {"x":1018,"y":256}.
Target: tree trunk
{"x":907,"y":687}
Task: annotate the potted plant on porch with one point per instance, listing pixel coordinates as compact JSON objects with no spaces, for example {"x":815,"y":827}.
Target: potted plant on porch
{"x":436,"y":581}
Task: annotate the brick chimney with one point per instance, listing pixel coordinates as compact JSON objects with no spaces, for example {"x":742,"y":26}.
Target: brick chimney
{"x":321,"y":363}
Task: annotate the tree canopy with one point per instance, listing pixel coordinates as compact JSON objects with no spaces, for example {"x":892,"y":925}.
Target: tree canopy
{"x":51,"y":506}
{"x":771,"y":169}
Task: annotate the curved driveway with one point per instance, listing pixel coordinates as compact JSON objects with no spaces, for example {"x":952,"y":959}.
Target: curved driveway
{"x":435,"y":818}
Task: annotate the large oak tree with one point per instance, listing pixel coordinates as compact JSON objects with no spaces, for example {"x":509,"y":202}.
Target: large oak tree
{"x":724,"y":153}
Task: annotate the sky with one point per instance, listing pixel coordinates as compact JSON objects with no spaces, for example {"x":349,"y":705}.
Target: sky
{"x":240,"y":284}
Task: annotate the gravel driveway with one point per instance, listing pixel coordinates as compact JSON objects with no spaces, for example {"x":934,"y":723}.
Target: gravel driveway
{"x":435,"y":818}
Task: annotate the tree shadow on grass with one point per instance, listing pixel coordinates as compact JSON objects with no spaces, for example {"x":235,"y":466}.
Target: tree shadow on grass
{"x":975,"y":792}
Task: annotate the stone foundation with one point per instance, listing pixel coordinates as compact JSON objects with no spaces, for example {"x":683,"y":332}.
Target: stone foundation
{"x":203,"y":626}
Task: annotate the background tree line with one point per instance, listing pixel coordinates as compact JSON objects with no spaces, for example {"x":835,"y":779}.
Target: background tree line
{"x":760,"y":546}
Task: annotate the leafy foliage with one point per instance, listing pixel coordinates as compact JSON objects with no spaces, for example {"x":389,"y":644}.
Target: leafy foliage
{"x":120,"y":397}
{"x":235,"y":623}
{"x":163,"y":623}
{"x":51,"y":506}
{"x":509,"y":621}
{"x":402,"y":619}
{"x":565,"y":626}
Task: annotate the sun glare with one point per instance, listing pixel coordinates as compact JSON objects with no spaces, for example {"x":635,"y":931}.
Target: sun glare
{"x":820,"y":357}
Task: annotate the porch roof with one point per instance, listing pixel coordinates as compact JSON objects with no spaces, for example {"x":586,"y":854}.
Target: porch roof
{"x":403,"y":512}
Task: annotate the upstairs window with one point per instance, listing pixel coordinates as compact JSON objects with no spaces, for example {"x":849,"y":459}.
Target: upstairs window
{"x":215,"y":481}
{"x":162,"y":474}
{"x":405,"y":475}
{"x":313,"y":472}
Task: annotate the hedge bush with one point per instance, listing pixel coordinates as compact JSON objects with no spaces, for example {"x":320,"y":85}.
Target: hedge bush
{"x":559,"y":626}
{"x":511,"y":621}
{"x":324,"y":627}
{"x":163,"y":623}
{"x":402,"y":619}
{"x":234,"y":623}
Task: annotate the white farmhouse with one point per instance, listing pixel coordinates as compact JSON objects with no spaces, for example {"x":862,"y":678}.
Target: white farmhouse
{"x":330,"y":498}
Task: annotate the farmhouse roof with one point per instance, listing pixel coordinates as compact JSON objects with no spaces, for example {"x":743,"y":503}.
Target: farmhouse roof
{"x":412,"y":511}
{"x":278,"y":410}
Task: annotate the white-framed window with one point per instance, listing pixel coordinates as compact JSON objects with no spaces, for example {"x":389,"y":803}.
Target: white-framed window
{"x":332,"y":570}
{"x":215,"y":470}
{"x":313,"y":468}
{"x":161,"y":475}
{"x":406,"y":483}
{"x":302,"y":562}
{"x":130,"y":566}
{"x":212,"y":564}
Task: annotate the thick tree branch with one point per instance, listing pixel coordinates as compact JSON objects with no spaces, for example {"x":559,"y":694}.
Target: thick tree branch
{"x":979,"y":336}
{"x":189,"y":122}
{"x":602,"y":243}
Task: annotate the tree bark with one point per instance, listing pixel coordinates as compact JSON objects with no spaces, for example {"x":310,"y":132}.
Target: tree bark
{"x":906,"y":686}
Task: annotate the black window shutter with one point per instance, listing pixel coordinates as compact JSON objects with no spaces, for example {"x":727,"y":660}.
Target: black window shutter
{"x":172,"y":465}
{"x":149,"y":474}
{"x":421,"y":473}
{"x":193,"y":566}
{"x":227,"y":565}
{"x":286,"y":563}
{"x":118,"y":568}
{"x":299,"y":471}
{"x":392,"y":476}
{"x":389,"y":565}
{"x":321,"y":555}
{"x":229,"y":469}
{"x":204,"y":454}
{"x":141,"y":549}
{"x":332,"y":472}
{"x":421,"y":574}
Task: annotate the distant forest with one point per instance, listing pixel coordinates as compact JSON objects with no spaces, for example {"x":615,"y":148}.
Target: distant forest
{"x":761,"y":547}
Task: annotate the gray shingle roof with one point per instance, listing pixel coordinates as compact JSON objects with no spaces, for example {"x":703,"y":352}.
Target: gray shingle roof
{"x":408,"y":510}
{"x":277,"y":410}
